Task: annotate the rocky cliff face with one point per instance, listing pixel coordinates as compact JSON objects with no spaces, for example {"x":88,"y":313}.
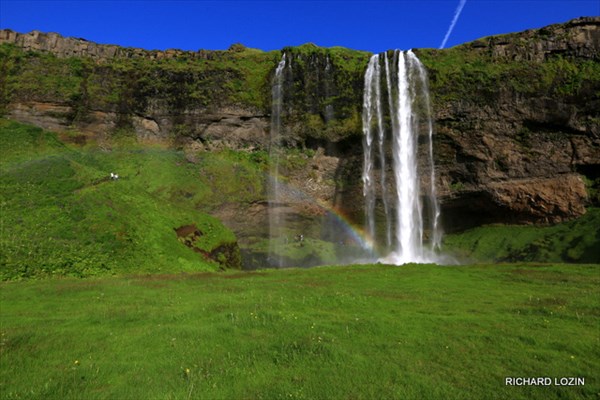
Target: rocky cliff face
{"x":76,"y":47}
{"x":517,"y":120}
{"x":523,"y":133}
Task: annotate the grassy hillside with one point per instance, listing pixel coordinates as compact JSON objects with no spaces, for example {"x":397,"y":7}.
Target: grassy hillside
{"x":363,"y":332}
{"x":573,"y":241}
{"x":63,"y":215}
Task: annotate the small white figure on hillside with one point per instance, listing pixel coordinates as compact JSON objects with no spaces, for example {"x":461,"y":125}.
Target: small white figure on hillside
{"x":114,"y":176}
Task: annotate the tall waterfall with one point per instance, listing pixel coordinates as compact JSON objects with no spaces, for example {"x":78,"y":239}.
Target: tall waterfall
{"x":398,"y":124}
{"x":276,"y":213}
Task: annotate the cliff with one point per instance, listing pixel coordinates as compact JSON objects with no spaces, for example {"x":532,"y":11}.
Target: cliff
{"x":517,"y":121}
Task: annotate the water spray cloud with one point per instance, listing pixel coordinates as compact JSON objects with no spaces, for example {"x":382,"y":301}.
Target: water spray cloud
{"x":461,"y":4}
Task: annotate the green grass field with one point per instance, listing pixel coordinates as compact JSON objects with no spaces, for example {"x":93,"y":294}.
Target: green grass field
{"x":576,"y":241}
{"x":359,"y":332}
{"x":152,"y":320}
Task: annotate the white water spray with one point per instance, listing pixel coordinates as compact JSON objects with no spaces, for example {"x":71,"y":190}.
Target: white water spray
{"x":409,"y":115}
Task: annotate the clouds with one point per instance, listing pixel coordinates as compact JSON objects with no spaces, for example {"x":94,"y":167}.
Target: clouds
{"x":461,"y":4}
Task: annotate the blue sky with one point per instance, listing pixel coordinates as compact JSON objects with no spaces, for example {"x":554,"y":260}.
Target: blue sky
{"x":364,"y":25}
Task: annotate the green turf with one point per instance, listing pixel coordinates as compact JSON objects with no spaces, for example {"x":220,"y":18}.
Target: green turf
{"x":573,"y":241}
{"x":360,"y":332}
{"x":63,"y":215}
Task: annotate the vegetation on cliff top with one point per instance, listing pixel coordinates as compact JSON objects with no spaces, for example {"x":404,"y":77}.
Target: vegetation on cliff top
{"x":238,"y":76}
{"x":462,"y":73}
{"x":327,"y":104}
{"x":127,"y":84}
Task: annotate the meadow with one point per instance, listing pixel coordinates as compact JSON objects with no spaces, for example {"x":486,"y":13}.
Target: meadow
{"x":79,"y":222}
{"x":360,"y":332}
{"x":99,"y":299}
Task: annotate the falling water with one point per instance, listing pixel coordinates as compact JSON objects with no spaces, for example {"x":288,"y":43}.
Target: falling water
{"x":409,"y":115}
{"x":368,"y":163}
{"x":276,"y":213}
{"x":328,"y":78}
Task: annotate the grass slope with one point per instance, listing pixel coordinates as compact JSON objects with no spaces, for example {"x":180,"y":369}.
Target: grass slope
{"x":573,"y":241}
{"x":63,"y":215}
{"x":362,"y":332}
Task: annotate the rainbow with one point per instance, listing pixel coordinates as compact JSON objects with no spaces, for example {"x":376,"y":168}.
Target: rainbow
{"x":357,"y":234}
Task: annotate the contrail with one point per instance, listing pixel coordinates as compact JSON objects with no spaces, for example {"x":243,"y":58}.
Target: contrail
{"x":454,"y":19}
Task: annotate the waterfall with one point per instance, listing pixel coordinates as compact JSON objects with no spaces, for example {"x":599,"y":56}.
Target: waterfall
{"x":328,"y":78}
{"x":368,"y":163}
{"x":276,"y":209}
{"x":410,"y":122}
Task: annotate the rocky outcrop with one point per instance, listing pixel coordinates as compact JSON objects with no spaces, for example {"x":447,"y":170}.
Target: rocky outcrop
{"x":508,"y":148}
{"x":228,"y":128}
{"x":56,"y":44}
{"x":577,"y":38}
{"x":522,"y":201}
{"x":77,"y":47}
{"x":517,"y":120}
{"x":227,"y":255}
